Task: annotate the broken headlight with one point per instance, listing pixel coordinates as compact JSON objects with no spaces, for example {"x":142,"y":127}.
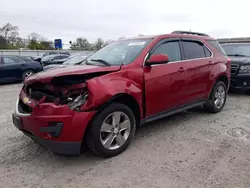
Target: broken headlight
{"x":76,"y":103}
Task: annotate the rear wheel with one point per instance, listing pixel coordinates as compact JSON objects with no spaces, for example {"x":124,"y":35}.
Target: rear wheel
{"x":111,"y":130}
{"x":217,"y":98}
{"x":27,"y":73}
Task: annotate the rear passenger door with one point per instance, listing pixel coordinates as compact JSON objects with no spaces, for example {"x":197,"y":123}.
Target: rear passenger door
{"x":198,"y":63}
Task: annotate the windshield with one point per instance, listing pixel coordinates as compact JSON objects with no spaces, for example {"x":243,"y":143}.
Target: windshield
{"x":47,"y":57}
{"x":119,"y":52}
{"x":74,"y":60}
{"x":237,"y":49}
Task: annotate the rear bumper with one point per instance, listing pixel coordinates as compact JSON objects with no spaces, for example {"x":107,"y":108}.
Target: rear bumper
{"x":241,"y":82}
{"x":57,"y":128}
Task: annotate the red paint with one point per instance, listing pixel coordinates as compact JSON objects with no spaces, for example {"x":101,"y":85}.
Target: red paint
{"x":158,"y":59}
{"x":164,"y":86}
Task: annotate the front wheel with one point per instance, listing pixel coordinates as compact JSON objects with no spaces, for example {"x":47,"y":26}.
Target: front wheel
{"x":217,"y":98}
{"x":111,"y":130}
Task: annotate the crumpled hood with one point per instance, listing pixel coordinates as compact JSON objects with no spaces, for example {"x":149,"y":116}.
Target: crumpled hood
{"x":48,"y":75}
{"x":239,"y":60}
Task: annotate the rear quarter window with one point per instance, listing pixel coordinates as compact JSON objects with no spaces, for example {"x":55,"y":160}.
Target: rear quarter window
{"x":217,"y":45}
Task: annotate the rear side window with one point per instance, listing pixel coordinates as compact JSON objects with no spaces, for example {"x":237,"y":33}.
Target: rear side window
{"x":216,"y":45}
{"x":193,"y":49}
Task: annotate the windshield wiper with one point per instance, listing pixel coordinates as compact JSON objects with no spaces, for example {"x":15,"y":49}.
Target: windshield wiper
{"x":101,"y":61}
{"x":239,"y":55}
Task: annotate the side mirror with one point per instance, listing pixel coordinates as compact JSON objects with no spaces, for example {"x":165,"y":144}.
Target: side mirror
{"x":157,"y":59}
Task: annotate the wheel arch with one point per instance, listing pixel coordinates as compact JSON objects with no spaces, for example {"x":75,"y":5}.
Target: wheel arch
{"x":127,"y":100}
{"x":28,"y":69}
{"x":122,"y":98}
{"x":221,"y":77}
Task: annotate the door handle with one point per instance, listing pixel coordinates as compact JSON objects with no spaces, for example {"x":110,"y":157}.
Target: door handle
{"x":181,"y":69}
{"x":210,"y":62}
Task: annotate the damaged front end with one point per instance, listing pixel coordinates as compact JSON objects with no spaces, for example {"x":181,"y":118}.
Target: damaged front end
{"x":69,"y":90}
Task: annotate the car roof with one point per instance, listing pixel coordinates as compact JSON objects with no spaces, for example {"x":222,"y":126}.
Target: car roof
{"x":175,"y":35}
{"x":235,"y":43}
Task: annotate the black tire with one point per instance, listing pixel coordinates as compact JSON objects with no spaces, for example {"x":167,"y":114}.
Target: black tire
{"x":93,"y":137}
{"x":210,"y":105}
{"x":27,"y":72}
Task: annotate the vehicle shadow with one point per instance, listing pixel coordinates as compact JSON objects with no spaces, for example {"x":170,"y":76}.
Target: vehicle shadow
{"x":142,"y":133}
{"x":29,"y":151}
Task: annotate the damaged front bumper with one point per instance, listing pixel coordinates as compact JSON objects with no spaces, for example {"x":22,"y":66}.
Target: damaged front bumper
{"x":58,"y":128}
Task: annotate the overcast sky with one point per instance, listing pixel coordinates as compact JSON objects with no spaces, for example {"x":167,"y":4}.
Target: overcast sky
{"x":111,"y":19}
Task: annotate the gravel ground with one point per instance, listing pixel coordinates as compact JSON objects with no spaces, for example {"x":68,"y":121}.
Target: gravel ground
{"x":190,"y":149}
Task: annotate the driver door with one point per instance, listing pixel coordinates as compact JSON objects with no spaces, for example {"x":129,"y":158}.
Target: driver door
{"x":165,"y":83}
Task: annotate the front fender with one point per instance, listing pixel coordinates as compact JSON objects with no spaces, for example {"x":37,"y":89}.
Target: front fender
{"x":102,"y":89}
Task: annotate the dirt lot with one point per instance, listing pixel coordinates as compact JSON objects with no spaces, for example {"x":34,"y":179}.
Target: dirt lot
{"x":190,"y":149}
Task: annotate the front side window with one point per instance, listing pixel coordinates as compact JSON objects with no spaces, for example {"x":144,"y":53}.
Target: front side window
{"x":193,"y":49}
{"x":237,"y":49}
{"x":172,"y":49}
{"x":118,"y":52}
{"x":207,"y":52}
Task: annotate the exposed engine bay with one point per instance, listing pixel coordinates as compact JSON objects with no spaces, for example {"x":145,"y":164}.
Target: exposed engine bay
{"x":71,"y":90}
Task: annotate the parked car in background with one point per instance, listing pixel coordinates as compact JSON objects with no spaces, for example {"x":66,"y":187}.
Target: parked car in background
{"x":122,"y":86}
{"x":39,"y":58}
{"x":55,"y":52}
{"x":59,"y":61}
{"x":47,"y":60}
{"x":28,"y":58}
{"x":74,"y":60}
{"x":239,"y":53}
{"x":17,"y":68}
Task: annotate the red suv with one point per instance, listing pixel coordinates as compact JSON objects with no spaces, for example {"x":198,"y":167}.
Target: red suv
{"x":120,"y":87}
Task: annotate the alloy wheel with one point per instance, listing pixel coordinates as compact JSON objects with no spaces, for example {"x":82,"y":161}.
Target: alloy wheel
{"x":219,"y":97}
{"x":115,"y":130}
{"x":27,"y":74}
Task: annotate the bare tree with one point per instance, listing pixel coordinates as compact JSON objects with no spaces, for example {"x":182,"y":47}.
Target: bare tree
{"x":108,"y":42}
{"x":38,"y":42}
{"x":81,"y":44}
{"x":10,"y":33}
{"x":99,"y":44}
{"x":3,"y":42}
{"x":35,"y":37}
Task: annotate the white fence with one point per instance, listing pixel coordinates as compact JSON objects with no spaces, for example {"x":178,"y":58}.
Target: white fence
{"x":34,"y":52}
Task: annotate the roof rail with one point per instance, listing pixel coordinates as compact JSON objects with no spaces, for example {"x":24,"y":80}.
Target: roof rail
{"x":190,"y":33}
